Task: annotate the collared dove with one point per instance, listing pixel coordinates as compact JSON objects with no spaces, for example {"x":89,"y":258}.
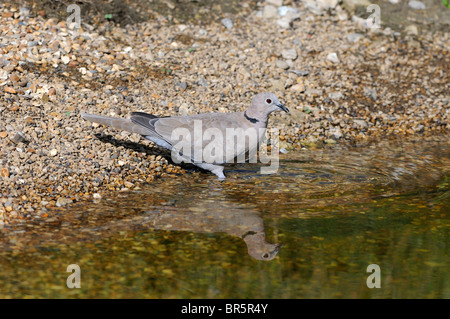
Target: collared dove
{"x":165,"y":132}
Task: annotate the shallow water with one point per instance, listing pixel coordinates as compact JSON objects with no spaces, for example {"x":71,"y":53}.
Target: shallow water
{"x":309,"y":231}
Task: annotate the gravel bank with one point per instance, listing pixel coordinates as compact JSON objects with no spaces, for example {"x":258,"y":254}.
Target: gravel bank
{"x":341,"y":83}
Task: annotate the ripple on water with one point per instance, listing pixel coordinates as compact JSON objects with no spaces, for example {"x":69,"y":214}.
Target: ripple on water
{"x":340,"y":175}
{"x":327,"y":205}
{"x":306,"y":182}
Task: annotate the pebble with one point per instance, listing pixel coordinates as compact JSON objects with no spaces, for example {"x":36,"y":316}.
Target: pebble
{"x":276,"y":3}
{"x":19,"y":137}
{"x":227,"y":23}
{"x":282,"y":64}
{"x":301,"y":72}
{"x":320,"y":6}
{"x":182,"y":85}
{"x":96,"y":196}
{"x":333,"y":57}
{"x":4,"y":172}
{"x":65,"y":59}
{"x":298,"y":88}
{"x":61,"y":201}
{"x":288,"y":16}
{"x":290,"y":54}
{"x":360,"y":123}
{"x":412,"y":29}
{"x":354,"y":37}
{"x":335,"y":95}
{"x":284,"y":23}
{"x":277,"y":85}
{"x":336,"y":132}
{"x":370,"y":92}
{"x":53,"y":152}
{"x":284,"y":11}
{"x":24,"y":12}
{"x":9,"y":89}
{"x":14,"y":78}
{"x":416,"y":5}
{"x":269,"y":12}
{"x":202,"y":81}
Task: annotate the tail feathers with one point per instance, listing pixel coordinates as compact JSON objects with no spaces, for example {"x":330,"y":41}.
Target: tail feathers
{"x":118,"y":123}
{"x":149,"y":116}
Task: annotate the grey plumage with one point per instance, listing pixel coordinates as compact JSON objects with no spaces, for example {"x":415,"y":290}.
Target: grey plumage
{"x":161,"y":130}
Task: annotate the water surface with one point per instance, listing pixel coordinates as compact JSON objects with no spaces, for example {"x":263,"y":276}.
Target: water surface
{"x":309,"y":231}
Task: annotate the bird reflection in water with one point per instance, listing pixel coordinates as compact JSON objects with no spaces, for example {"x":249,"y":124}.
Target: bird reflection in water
{"x":192,"y":211}
{"x":207,"y":218}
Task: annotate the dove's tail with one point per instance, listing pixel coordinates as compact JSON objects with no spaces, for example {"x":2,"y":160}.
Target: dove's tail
{"x":118,"y":123}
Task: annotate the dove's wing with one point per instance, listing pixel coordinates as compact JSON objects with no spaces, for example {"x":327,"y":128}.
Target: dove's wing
{"x":213,"y":137}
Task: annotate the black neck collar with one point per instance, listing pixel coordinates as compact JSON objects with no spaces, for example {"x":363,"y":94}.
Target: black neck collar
{"x":252,"y":120}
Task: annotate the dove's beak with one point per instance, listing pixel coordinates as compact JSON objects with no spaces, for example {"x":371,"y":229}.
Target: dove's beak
{"x":278,"y":247}
{"x":284,"y":108}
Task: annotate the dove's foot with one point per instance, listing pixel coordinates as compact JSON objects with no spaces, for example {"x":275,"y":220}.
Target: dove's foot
{"x":215,"y":169}
{"x":220,"y":176}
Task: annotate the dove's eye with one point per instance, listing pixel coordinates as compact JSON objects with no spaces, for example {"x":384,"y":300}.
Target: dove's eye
{"x":265,"y":255}
{"x":269,"y":101}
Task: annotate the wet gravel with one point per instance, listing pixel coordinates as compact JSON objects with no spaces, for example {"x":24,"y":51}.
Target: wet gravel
{"x":342,"y":83}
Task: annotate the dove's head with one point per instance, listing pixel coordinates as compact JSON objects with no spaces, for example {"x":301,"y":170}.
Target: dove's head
{"x":258,"y":248}
{"x":263,"y":104}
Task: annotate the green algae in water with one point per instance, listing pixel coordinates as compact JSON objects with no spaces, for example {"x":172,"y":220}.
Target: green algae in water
{"x":336,"y":211}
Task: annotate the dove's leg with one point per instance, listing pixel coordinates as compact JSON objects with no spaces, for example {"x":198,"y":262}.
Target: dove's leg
{"x":216,"y":169}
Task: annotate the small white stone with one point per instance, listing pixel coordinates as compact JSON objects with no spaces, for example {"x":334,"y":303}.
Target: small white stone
{"x":276,"y":3}
{"x":3,"y":75}
{"x":97,"y":196}
{"x":202,"y":32}
{"x":65,"y":59}
{"x":282,"y":64}
{"x":227,"y":23}
{"x":336,"y":132}
{"x":335,"y":95}
{"x":284,"y":23}
{"x":61,"y":201}
{"x":298,"y":87}
{"x":184,"y":109}
{"x":73,"y":26}
{"x":360,"y":123}
{"x":270,"y":11}
{"x":412,"y":29}
{"x":53,"y":152}
{"x":417,"y":5}
{"x":333,"y":57}
{"x":354,"y":37}
{"x":283,"y":11}
{"x":290,"y":54}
